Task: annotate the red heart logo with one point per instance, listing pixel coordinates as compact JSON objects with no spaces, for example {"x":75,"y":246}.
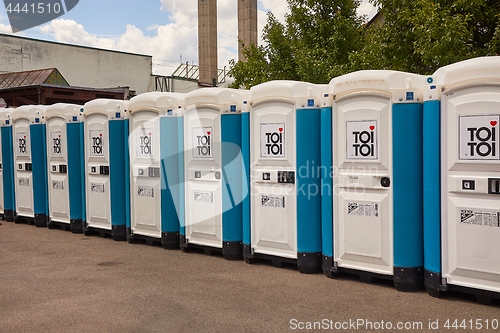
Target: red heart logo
{"x":280,"y":129}
{"x":100,"y":134}
{"x":493,"y":123}
{"x":372,"y":127}
{"x":208,"y":133}
{"x":25,"y":137}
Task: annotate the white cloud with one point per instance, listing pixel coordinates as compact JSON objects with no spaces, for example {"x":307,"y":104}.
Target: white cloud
{"x":5,"y":28}
{"x":153,"y":27}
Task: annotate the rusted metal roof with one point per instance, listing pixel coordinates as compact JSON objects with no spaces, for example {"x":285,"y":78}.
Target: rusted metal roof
{"x":30,"y":78}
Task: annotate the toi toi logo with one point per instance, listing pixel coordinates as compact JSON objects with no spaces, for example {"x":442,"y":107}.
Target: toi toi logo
{"x":56,"y":144}
{"x":202,"y":140}
{"x":96,"y":143}
{"x":22,"y":145}
{"x":272,"y":138}
{"x":144,"y":142}
{"x":362,"y":140}
{"x":25,"y":14}
{"x":479,"y":136}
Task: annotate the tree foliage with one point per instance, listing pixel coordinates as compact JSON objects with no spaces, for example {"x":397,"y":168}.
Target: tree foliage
{"x":421,"y":36}
{"x":322,"y":39}
{"x":312,"y":45}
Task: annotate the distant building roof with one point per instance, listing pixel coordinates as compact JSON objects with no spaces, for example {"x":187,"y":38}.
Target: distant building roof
{"x":31,"y":78}
{"x":376,"y":20}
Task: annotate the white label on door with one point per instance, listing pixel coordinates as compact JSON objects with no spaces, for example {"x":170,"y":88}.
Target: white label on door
{"x":24,"y":181}
{"x":22,"y":149}
{"x":57,"y":185}
{"x":202,"y":142}
{"x":479,"y":137}
{"x":272,"y":140}
{"x":273,"y":201}
{"x":361,"y":140}
{"x":207,"y":197}
{"x":369,"y":209}
{"x":56,"y":144}
{"x":145,"y":191}
{"x":144,"y":142}
{"x":97,"y":187}
{"x":483,"y":217}
{"x":96,"y":137}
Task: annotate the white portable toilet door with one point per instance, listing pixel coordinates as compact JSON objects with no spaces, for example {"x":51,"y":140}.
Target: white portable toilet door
{"x":24,"y":175}
{"x":273,"y":150}
{"x":203,"y":176}
{"x":97,"y":171}
{"x":470,"y":170}
{"x":57,"y":157}
{"x":363,"y":228}
{"x":145,"y":183}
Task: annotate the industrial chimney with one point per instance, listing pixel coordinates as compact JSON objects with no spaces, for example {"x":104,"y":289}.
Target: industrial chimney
{"x":207,"y":41}
{"x":247,"y":25}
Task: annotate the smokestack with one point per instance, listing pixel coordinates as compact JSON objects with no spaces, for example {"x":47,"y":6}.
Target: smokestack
{"x":207,"y":41}
{"x":247,"y":24}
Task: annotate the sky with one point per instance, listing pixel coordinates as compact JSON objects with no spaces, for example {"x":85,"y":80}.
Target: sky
{"x":164,"y":29}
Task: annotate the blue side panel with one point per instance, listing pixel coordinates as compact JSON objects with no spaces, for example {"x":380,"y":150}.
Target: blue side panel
{"x":82,"y":162}
{"x":326,"y":182}
{"x":127,"y":172}
{"x":432,"y":188}
{"x":232,"y":173}
{"x":245,"y":152}
{"x":119,"y":172}
{"x":39,"y":165}
{"x":308,"y":181}
{"x":407,"y":185}
{"x":9,"y":200}
{"x":76,"y":170}
{"x":172,"y":173}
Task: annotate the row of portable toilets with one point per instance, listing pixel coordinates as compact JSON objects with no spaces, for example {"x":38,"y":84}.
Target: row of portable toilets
{"x":380,"y":173}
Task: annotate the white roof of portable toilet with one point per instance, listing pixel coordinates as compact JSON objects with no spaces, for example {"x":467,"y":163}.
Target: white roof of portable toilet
{"x":29,"y":112}
{"x":472,"y":71}
{"x":295,"y":92}
{"x":64,"y":110}
{"x":5,"y":114}
{"x":234,"y":100}
{"x":393,"y":83}
{"x":109,"y":107}
{"x":160,"y":102}
{"x":219,"y":98}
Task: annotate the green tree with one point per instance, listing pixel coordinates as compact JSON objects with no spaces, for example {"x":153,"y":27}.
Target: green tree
{"x":421,"y":36}
{"x":312,"y":45}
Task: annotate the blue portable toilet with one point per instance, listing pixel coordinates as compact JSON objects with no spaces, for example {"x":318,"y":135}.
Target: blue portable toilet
{"x":30,"y":163}
{"x":462,"y":179}
{"x":215,"y":174}
{"x":285,"y":226}
{"x":106,"y":168}
{"x":65,"y":155}
{"x":147,"y":141}
{"x":7,"y":167}
{"x":376,"y":166}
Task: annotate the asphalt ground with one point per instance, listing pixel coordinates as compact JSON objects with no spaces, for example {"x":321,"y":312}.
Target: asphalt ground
{"x":56,"y":281}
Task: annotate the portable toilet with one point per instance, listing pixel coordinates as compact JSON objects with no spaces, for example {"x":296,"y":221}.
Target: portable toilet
{"x":107,"y":167}
{"x":215,"y":174}
{"x":7,"y":199}
{"x":30,"y":162}
{"x":462,"y":179}
{"x":285,"y":121}
{"x":65,"y":166}
{"x":148,"y":173}
{"x":377,"y":178}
